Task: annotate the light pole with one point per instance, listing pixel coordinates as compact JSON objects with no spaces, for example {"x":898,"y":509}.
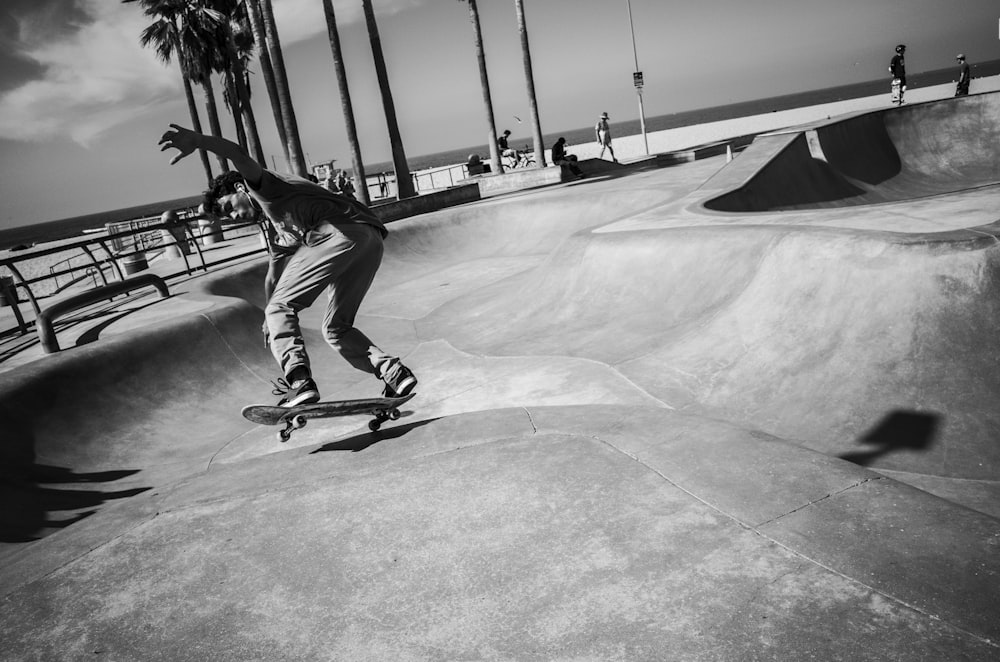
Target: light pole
{"x":637,"y":79}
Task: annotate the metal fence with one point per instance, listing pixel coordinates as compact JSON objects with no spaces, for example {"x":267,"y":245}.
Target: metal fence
{"x":108,"y":257}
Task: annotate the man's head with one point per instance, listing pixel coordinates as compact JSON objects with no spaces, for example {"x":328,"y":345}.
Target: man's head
{"x":506,"y":132}
{"x":228,"y":197}
{"x":901,"y":49}
{"x":960,"y":57}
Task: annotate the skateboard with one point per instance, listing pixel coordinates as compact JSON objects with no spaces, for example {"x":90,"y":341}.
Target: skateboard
{"x":897,"y":91}
{"x":383,"y":409}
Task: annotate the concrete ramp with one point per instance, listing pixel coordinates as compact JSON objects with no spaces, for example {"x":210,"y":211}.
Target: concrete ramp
{"x":890,"y":155}
{"x":644,"y":430}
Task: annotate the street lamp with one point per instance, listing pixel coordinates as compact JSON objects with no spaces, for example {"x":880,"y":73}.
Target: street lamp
{"x":637,"y":78}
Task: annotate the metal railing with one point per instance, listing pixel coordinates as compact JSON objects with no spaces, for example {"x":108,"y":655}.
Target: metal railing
{"x":104,"y":264}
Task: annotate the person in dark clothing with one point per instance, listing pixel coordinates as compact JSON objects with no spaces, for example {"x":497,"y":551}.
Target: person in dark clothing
{"x":964,"y":76}
{"x":562,"y":159}
{"x":897,"y":67}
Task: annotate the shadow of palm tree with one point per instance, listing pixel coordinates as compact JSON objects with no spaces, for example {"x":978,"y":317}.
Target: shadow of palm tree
{"x":900,"y":430}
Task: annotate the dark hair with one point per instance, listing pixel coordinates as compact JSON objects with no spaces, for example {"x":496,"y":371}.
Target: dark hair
{"x":224,"y":184}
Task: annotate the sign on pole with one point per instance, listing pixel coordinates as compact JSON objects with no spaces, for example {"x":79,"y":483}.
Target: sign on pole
{"x":637,"y":80}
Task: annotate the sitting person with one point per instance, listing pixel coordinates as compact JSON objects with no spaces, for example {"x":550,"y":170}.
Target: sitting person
{"x":562,"y":159}
{"x":507,"y":152}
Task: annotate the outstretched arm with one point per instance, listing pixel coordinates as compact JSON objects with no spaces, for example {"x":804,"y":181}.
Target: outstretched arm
{"x":186,"y":141}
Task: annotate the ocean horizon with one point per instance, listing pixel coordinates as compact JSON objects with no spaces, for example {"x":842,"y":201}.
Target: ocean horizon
{"x":26,"y":235}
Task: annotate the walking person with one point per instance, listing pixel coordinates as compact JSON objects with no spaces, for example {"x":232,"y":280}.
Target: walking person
{"x":320,"y":241}
{"x":964,"y":76}
{"x":603,"y":132}
{"x":897,"y":67}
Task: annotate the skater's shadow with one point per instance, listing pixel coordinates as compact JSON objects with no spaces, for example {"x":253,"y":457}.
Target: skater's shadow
{"x":899,"y":431}
{"x":362,"y":441}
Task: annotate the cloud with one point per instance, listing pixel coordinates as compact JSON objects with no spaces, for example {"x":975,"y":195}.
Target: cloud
{"x":94,"y":76}
{"x":89,"y":72}
{"x":299,"y":20}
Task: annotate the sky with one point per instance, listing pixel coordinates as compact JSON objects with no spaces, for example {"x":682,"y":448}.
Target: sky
{"x":83,"y":106}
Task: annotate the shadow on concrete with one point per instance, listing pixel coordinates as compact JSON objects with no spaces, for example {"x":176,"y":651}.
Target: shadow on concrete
{"x":900,"y":430}
{"x":360,"y":442}
{"x":36,"y":499}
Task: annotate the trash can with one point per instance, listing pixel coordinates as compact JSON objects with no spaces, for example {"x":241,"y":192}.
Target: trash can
{"x":132,"y":264}
{"x":8,"y":293}
{"x":210,"y":231}
{"x":175,"y":241}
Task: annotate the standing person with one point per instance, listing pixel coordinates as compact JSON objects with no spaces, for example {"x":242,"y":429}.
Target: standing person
{"x":963,"y":76}
{"x":897,"y":67}
{"x":319,"y":241}
{"x":561,"y":158}
{"x":603,"y":132}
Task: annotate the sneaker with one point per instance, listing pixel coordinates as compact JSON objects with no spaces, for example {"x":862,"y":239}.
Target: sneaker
{"x":302,"y":392}
{"x":399,"y":382}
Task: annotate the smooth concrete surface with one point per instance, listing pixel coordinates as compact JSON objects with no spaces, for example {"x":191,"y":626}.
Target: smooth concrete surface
{"x":645,"y":430}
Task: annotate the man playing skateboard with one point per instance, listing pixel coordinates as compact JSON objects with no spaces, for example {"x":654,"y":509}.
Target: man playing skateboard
{"x":962,"y":88}
{"x":319,"y":241}
{"x":897,"y":67}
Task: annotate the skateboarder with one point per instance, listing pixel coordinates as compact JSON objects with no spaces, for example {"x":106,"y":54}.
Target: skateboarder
{"x":964,"y":76}
{"x":897,"y":67}
{"x":319,"y":241}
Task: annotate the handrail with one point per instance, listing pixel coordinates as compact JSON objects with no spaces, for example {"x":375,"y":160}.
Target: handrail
{"x":45,"y":322}
{"x":109,"y":262}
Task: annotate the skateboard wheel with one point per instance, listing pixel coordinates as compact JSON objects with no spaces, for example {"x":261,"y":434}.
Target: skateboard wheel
{"x":374,"y":425}
{"x":394,"y":414}
{"x":283,"y":435}
{"x":299,"y":421}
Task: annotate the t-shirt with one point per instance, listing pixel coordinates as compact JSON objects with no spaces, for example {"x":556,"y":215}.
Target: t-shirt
{"x":898,"y":67}
{"x":295,"y":205}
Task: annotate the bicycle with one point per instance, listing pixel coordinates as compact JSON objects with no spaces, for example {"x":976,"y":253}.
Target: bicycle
{"x":520,"y":159}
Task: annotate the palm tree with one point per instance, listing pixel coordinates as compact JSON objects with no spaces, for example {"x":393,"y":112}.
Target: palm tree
{"x":495,"y":164}
{"x":530,"y":81}
{"x":295,"y":151}
{"x":232,"y":56}
{"x":345,"y":103}
{"x":166,"y":37}
{"x":267,"y":72}
{"x":404,"y":184}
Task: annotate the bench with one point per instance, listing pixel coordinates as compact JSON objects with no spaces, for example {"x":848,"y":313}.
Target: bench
{"x":45,"y":323}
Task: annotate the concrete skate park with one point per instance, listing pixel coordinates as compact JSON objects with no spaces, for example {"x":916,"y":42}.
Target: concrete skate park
{"x":722,"y":410}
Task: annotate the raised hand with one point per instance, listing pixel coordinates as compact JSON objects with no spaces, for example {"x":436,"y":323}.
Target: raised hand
{"x":183,"y":140}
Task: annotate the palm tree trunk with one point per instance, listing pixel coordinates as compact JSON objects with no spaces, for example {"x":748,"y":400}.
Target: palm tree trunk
{"x":243,"y":95}
{"x":232,"y":100}
{"x":295,"y":151}
{"x":404,"y":184}
{"x":267,"y":72}
{"x":196,"y":124}
{"x":213,"y":117}
{"x":530,"y":81}
{"x":345,"y":104}
{"x":495,"y":164}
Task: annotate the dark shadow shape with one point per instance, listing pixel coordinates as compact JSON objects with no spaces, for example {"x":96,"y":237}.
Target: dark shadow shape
{"x":93,"y":334}
{"x":44,"y":473}
{"x":360,"y":442}
{"x":35,"y":499}
{"x":900,"y":430}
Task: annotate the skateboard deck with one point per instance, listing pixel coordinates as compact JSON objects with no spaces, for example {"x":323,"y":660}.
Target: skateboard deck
{"x":897,"y":91}
{"x":383,"y":409}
